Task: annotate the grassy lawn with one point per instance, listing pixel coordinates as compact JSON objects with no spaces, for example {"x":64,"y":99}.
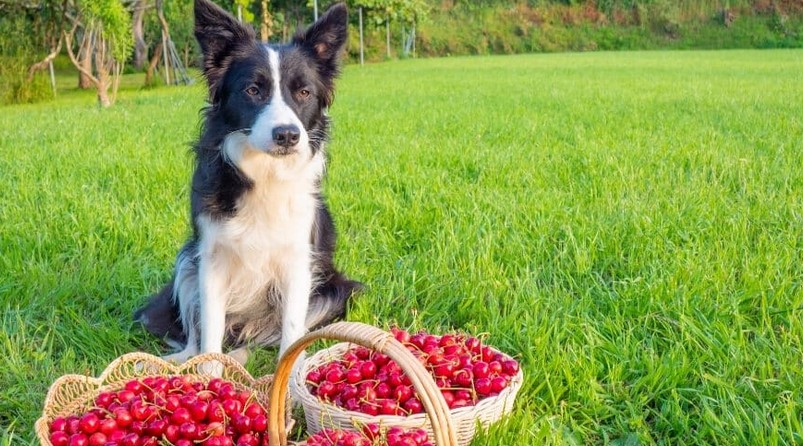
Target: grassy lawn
{"x":630,"y":225}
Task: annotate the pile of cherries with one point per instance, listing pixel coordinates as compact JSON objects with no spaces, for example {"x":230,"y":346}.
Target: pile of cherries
{"x":365,"y":381}
{"x":173,"y":410}
{"x":371,"y":435}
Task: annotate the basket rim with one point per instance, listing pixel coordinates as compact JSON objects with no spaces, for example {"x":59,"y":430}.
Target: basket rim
{"x":301,"y":393}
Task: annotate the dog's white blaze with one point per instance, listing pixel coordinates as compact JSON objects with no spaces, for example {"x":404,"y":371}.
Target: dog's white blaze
{"x":276,"y":114}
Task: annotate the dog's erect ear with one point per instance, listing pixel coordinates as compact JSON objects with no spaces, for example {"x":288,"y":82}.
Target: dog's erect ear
{"x":325,"y":38}
{"x":218,"y":32}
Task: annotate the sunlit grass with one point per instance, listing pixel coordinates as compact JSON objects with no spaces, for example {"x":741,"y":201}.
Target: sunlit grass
{"x":628,"y":224}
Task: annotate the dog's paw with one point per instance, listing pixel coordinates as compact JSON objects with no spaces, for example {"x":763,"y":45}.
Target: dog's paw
{"x":211,"y":368}
{"x":180,"y":357}
{"x":240,"y":355}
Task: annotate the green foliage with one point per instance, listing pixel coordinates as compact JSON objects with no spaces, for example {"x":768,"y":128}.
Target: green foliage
{"x":113,"y":20}
{"x":406,"y":11}
{"x":17,"y":53}
{"x":488,"y":28}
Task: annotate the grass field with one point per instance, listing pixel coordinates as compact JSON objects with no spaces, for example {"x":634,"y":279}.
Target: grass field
{"x":630,"y":225}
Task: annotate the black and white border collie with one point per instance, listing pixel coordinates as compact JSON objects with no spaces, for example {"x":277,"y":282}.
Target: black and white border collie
{"x":258,"y":269}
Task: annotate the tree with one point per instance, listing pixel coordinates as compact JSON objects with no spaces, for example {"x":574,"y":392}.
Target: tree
{"x":382,"y":12}
{"x":107,"y":38}
{"x":138,"y":32}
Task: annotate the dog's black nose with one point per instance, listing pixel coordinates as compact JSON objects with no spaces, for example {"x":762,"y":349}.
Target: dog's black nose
{"x":286,"y":136}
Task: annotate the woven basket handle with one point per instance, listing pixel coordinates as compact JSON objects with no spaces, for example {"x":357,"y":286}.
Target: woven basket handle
{"x":379,"y":341}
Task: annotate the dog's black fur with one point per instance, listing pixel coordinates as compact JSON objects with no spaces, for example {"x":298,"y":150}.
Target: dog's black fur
{"x":233,"y":59}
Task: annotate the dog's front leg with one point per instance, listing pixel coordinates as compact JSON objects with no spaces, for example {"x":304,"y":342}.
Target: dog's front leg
{"x":296,"y":291}
{"x":213,"y":298}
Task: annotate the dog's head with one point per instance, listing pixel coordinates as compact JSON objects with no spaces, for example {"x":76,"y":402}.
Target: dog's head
{"x":268,"y":99}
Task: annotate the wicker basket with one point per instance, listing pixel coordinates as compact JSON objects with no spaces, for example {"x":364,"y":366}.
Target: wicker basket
{"x":321,"y":415}
{"x":73,"y":394}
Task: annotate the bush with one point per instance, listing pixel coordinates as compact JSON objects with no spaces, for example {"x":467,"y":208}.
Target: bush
{"x":16,"y":55}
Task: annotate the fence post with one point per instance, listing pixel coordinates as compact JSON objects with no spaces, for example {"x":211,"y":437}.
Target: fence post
{"x":362,"y":57}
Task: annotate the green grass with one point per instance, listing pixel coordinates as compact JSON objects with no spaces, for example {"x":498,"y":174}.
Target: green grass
{"x":630,"y":225}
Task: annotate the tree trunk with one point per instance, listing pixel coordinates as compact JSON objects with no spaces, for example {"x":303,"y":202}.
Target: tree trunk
{"x":387,"y":33}
{"x":140,"y":47}
{"x":85,"y":59}
{"x":267,"y":22}
{"x":157,"y":56}
{"x":104,"y":80}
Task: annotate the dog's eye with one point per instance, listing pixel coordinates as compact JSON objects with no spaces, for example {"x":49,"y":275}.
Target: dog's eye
{"x":303,"y":93}
{"x":252,"y":91}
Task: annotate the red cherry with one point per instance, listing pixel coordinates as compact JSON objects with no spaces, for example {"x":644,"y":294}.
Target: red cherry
{"x":130,"y":440}
{"x":463,"y":377}
{"x":247,"y":440}
{"x":232,"y":407}
{"x":253,"y":410}
{"x":215,"y":411}
{"x":352,"y":404}
{"x":419,"y":436}
{"x":481,"y":370}
{"x":369,"y":409}
{"x":122,"y":417}
{"x":156,"y":427}
{"x":189,"y":430}
{"x":459,"y":402}
{"x":368,"y":369}
{"x":380,"y":359}
{"x":78,"y":440}
{"x":214,"y":441}
{"x":326,"y":390}
{"x":462,"y":394}
{"x":97,"y":439}
{"x":401,"y":335}
{"x":354,"y":376}
{"x":445,"y":370}
{"x":116,"y":436}
{"x":138,"y":409}
{"x":483,"y":386}
{"x":498,"y":384}
{"x":510,"y":367}
{"x":487,"y":354}
{"x":134,"y":386}
{"x":388,"y":407}
{"x":89,"y":423}
{"x":172,"y":433}
{"x":125,"y":395}
{"x":402,"y":393}
{"x":104,"y":399}
{"x":198,"y":410}
{"x":58,"y":424}
{"x":180,"y":415}
{"x":315,"y":376}
{"x":107,"y":426}
{"x":60,"y":438}
{"x":259,"y":423}
{"x":335,"y":376}
{"x":244,"y":397}
{"x":241,"y":423}
{"x":148,"y":441}
{"x":413,"y":405}
{"x":227,"y":392}
{"x":73,"y":425}
{"x":448,"y":397}
{"x":495,"y":367}
{"x":214,"y":384}
{"x":137,"y":427}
